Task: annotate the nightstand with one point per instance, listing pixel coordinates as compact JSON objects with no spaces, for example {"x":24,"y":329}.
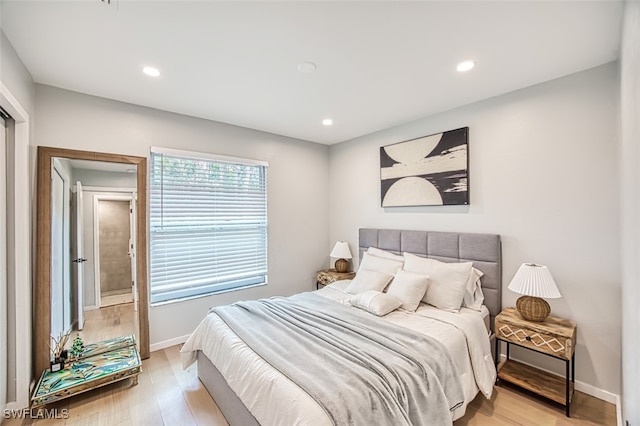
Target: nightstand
{"x":553,"y":337}
{"x":328,"y":276}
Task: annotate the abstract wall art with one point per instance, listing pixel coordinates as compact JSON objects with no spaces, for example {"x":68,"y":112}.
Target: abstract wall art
{"x":427,"y":171}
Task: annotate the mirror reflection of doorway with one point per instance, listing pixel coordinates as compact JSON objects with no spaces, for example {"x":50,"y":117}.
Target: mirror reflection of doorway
{"x":114,"y":251}
{"x":98,"y":244}
{"x":60,"y":266}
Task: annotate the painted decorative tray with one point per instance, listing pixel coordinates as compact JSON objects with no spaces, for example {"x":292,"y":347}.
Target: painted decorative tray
{"x":109,"y":362}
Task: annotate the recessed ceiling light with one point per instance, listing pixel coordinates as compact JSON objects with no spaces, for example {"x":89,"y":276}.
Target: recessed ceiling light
{"x":465,"y":66}
{"x":151,"y":71}
{"x":307,"y":67}
{"x":327,"y":122}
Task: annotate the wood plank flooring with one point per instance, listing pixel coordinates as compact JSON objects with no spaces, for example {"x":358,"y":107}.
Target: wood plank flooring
{"x":167,"y":395}
{"x":108,"y":322}
{"x":510,"y":405}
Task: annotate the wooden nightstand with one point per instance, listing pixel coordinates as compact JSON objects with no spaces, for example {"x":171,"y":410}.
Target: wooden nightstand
{"x":328,"y":276}
{"x":554,"y":337}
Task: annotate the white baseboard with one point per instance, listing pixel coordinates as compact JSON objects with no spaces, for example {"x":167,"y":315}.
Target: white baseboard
{"x":168,"y":343}
{"x":597,"y":393}
{"x":619,"y":410}
{"x":581,"y":386}
{"x":116,"y":299}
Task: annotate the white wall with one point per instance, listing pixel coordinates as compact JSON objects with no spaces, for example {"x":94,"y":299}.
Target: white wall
{"x":297,"y":191}
{"x":630,"y":161}
{"x":102,"y":178}
{"x":14,"y":74}
{"x":544,"y":175}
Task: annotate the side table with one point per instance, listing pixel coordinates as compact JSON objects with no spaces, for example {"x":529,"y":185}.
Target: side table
{"x":328,"y":276}
{"x":554,"y":337}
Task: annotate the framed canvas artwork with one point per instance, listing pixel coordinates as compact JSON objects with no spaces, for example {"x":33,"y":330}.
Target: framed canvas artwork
{"x":427,"y":171}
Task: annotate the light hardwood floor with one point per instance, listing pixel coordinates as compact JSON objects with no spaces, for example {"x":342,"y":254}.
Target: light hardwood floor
{"x":108,"y":322}
{"x":167,"y":395}
{"x":512,"y":406}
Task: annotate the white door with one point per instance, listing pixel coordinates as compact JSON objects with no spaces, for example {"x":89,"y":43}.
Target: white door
{"x":57,"y":254}
{"x":79,"y":261}
{"x":132,"y":249}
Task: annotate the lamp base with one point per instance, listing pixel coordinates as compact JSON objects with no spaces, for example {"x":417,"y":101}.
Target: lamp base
{"x":533,"y":308}
{"x":342,"y":265}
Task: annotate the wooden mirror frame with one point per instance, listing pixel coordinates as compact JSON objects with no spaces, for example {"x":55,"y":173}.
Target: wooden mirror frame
{"x":42,"y":314}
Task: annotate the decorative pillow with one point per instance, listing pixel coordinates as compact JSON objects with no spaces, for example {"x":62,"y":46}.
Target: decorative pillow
{"x":473,"y":296}
{"x":386,"y":254}
{"x":375,"y":302}
{"x":368,"y":280}
{"x":447,"y":281}
{"x":409,"y":288}
{"x":379,"y":264}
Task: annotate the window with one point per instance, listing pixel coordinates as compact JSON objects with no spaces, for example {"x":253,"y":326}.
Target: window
{"x":208,"y":224}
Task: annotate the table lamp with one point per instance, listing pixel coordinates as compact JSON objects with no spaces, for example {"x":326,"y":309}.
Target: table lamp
{"x":342,"y":252}
{"x":534,"y":282}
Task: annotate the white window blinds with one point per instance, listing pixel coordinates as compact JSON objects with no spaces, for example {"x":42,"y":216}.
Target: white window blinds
{"x":208,"y":224}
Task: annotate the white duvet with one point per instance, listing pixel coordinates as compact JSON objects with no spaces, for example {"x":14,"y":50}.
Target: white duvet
{"x":273,"y":399}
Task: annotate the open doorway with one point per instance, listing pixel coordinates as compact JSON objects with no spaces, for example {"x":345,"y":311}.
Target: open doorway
{"x":114,"y":249}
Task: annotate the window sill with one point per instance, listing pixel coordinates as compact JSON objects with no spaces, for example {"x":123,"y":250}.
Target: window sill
{"x":200,"y":296}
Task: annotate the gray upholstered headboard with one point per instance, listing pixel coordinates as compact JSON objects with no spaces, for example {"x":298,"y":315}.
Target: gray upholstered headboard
{"x":484,"y":250}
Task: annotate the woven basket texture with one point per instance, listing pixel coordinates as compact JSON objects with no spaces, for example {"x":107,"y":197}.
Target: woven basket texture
{"x":342,"y":265}
{"x":533,"y":308}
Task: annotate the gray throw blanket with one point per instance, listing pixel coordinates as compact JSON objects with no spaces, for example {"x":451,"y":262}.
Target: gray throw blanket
{"x":361,"y":369}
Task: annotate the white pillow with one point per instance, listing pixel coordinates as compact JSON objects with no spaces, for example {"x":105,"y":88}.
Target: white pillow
{"x":368,"y":280}
{"x":380,"y":264}
{"x":447,"y":281}
{"x":473,"y":296}
{"x":386,"y":254}
{"x":409,"y":288}
{"x":375,"y":302}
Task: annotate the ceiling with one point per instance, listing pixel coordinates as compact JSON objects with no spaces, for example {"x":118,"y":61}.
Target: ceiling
{"x":379,"y":64}
{"x":102,"y":166}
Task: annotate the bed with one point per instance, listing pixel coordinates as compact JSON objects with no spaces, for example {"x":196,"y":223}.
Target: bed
{"x":247,"y":388}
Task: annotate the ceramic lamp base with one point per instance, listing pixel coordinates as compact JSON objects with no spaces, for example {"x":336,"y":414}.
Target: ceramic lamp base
{"x":533,"y":308}
{"x":342,"y":265}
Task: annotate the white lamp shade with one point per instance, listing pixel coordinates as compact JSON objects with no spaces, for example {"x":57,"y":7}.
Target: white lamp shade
{"x":341,"y":250}
{"x":534,"y":280}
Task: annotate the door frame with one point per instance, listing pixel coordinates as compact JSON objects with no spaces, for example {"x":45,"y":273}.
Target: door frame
{"x":64,"y":246}
{"x":21,"y":263}
{"x":77,"y":245}
{"x":96,"y":238}
{"x":4,"y":285}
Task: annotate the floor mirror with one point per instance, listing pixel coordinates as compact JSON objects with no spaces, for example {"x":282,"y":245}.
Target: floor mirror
{"x":91,"y":263}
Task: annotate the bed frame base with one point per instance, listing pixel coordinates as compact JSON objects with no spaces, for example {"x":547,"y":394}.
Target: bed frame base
{"x":231,"y":406}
